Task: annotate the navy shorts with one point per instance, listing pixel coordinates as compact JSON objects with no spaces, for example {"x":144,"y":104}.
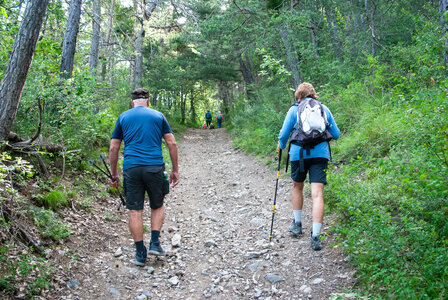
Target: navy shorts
{"x":138,"y":180}
{"x":316,"y":167}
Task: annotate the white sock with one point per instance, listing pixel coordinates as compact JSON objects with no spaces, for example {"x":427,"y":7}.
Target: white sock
{"x":297,"y":215}
{"x":316,"y":228}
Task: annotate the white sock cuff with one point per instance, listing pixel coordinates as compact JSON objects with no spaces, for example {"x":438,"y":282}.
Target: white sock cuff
{"x":316,"y":228}
{"x":297,"y":215}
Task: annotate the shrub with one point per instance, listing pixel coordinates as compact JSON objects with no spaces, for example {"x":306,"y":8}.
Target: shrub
{"x":53,"y":200}
{"x":27,"y":267}
{"x":49,"y":224}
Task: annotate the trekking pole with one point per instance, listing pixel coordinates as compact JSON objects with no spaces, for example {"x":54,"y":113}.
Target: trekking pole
{"x":278,"y":157}
{"x":102,"y":157}
{"x":109,"y":175}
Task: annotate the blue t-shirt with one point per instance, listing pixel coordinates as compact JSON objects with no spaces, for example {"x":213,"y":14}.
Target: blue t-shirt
{"x":320,"y":150}
{"x":141,"y":129}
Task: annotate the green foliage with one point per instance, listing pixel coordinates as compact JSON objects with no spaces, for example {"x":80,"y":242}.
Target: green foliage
{"x":53,"y":200}
{"x":49,"y":224}
{"x":256,"y":128}
{"x":24,"y":266}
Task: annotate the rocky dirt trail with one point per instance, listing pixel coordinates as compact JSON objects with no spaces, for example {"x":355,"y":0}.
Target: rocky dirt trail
{"x":216,"y":235}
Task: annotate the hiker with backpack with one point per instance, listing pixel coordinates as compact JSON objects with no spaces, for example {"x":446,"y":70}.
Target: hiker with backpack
{"x":219,"y":119}
{"x":208,"y":118}
{"x":312,"y":126}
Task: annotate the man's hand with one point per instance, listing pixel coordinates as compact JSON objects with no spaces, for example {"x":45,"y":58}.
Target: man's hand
{"x":113,"y":159}
{"x":174,"y":179}
{"x":115,"y":182}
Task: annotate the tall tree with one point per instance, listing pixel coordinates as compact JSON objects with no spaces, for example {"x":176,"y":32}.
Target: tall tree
{"x":443,"y":9}
{"x":19,"y":63}
{"x":107,"y":53}
{"x":70,"y":37}
{"x":95,"y":43}
{"x":149,"y":7}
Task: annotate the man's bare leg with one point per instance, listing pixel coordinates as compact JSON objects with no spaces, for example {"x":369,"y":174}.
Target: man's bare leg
{"x":136,"y":224}
{"x":157,"y":218}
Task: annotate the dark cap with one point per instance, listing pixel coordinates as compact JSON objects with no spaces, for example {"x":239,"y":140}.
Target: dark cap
{"x":140,"y":94}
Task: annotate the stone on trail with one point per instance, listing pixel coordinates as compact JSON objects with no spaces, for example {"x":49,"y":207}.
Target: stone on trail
{"x":145,"y":292}
{"x":72,"y":283}
{"x":173,"y":280}
{"x":305,"y":289}
{"x":317,"y":281}
{"x":175,"y":241}
{"x":114,"y":291}
{"x":255,"y":266}
{"x":210,"y":244}
{"x":252,"y":255}
{"x":149,"y":269}
{"x":257,"y":221}
{"x":133,"y":271}
{"x":272,"y":278}
{"x":141,"y":297}
{"x":119,"y":252}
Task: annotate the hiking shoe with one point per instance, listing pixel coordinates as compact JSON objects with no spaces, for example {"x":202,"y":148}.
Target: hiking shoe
{"x":156,"y":249}
{"x":316,"y":243}
{"x":295,"y":228}
{"x":140,"y":258}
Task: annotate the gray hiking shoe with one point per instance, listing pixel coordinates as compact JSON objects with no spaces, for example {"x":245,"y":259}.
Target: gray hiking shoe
{"x":295,"y":228}
{"x":156,"y":249}
{"x":140,"y":258}
{"x":316,"y":243}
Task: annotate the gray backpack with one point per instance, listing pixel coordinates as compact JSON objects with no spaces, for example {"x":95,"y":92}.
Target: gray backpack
{"x":311,"y":128}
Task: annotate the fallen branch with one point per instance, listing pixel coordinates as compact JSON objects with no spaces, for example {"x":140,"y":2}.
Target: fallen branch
{"x":22,"y":234}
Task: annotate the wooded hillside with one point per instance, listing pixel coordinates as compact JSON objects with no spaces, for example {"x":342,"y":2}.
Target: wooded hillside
{"x":67,"y":69}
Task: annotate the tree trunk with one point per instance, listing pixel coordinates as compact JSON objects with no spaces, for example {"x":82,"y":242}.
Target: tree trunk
{"x":70,"y":36}
{"x":292,"y":62}
{"x":109,"y":47}
{"x":183,"y":102}
{"x":154,"y":98}
{"x":313,"y":39}
{"x":370,"y":13}
{"x":138,"y":71}
{"x":225,"y":94}
{"x":94,"y":49}
{"x":192,"y":107}
{"x":336,"y":42}
{"x":150,"y":6}
{"x":19,"y":63}
{"x":247,"y":71}
{"x":443,"y":8}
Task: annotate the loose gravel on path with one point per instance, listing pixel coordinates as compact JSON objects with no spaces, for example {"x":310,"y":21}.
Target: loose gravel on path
{"x":216,"y":234}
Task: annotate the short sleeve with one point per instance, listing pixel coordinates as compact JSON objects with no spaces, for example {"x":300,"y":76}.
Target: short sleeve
{"x":118,"y":131}
{"x":165,"y":126}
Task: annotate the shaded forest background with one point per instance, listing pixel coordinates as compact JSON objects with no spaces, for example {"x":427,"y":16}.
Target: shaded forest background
{"x":379,"y":65}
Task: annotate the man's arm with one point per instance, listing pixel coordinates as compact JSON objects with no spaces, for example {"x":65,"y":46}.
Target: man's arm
{"x":113,"y":159}
{"x":172,"y":147}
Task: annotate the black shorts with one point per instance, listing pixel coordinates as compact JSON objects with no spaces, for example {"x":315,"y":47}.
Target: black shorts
{"x":316,"y":167}
{"x":138,"y":180}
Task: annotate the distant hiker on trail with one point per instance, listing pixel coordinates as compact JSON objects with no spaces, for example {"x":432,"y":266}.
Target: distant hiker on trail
{"x":211,"y":126}
{"x":208,"y":117}
{"x":307,"y":119}
{"x":142,"y":129}
{"x":219,"y":119}
{"x":204,"y":126}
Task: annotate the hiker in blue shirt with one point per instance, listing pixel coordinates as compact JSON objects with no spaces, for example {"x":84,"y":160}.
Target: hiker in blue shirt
{"x":208,"y":118}
{"x":315,"y":163}
{"x":142,"y":130}
{"x":219,"y":119}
